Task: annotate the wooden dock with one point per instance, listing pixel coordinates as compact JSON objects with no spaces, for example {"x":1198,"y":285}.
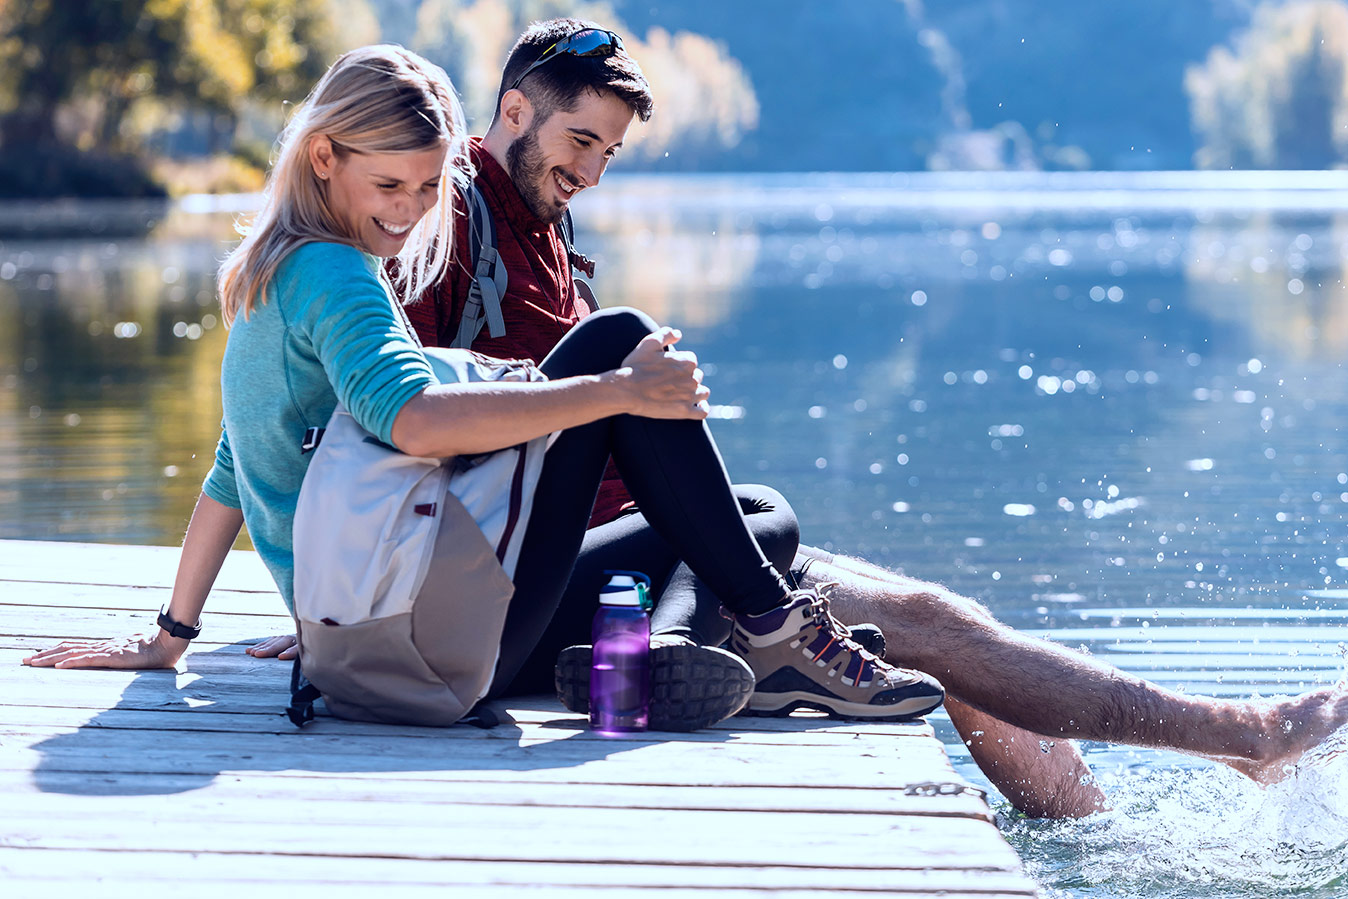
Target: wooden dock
{"x":124,"y":782}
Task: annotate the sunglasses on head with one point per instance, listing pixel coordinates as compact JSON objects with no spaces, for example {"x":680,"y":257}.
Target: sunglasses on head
{"x":590,"y":43}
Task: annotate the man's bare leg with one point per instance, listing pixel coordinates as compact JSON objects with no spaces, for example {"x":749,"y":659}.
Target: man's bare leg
{"x":1041,"y":777}
{"x":1046,"y":689}
{"x":1054,"y":785}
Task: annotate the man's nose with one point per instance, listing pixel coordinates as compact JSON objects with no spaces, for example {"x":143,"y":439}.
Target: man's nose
{"x":592,"y":169}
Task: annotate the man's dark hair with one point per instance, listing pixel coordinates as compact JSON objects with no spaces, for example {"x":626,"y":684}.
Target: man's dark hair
{"x":558,"y":84}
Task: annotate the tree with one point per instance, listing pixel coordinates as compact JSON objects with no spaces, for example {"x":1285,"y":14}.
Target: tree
{"x":1279,"y":97}
{"x":106,"y":56}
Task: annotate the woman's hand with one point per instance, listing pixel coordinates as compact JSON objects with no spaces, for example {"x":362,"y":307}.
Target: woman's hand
{"x":284,"y":648}
{"x":664,"y":383}
{"x":158,"y":651}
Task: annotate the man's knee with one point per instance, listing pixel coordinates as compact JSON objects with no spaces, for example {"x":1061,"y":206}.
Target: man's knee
{"x":937,"y":604}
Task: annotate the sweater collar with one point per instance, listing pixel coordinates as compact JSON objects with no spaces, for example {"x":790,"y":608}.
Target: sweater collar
{"x":491,"y":175}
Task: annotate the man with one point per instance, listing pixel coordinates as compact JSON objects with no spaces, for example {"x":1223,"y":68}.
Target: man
{"x":567,"y":97}
{"x":547,"y":143}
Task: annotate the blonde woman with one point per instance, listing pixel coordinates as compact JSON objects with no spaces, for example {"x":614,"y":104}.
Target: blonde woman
{"x":361,"y":176}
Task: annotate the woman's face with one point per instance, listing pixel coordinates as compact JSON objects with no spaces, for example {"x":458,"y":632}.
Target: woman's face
{"x":379,"y":196}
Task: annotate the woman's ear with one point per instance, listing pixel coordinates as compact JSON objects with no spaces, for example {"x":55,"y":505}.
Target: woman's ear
{"x":321,"y":156}
{"x":516,"y":112}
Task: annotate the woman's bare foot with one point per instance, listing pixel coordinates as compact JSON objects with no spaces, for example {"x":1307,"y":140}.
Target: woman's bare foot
{"x":1289,"y":728}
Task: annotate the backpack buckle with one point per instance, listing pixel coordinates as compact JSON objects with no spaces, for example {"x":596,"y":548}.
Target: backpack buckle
{"x":581,"y":263}
{"x":312,"y":438}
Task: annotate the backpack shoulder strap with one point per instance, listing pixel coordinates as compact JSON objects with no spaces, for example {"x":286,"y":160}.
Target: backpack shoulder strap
{"x":489,"y":275}
{"x":579,"y":262}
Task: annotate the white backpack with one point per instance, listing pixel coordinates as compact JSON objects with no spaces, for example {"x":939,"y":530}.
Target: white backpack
{"x":403,"y":565}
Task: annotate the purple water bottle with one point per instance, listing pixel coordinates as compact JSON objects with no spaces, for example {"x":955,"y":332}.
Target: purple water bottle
{"x":620,"y":679}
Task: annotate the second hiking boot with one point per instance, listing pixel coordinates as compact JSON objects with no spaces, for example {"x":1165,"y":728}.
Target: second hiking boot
{"x":692,"y":686}
{"x":803,"y":658}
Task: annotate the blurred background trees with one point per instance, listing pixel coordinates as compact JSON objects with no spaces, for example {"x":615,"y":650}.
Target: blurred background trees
{"x":88,"y":83}
{"x":1277,"y":98}
{"x":123,"y":96}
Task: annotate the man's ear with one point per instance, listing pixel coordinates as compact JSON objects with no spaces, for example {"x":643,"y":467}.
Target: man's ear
{"x":516,"y":112}
{"x":321,"y":156}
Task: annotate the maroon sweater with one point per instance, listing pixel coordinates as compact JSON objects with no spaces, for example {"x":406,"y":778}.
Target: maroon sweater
{"x":540,"y":303}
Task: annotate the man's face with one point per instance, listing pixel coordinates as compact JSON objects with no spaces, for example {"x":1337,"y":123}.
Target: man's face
{"x":552,"y":162}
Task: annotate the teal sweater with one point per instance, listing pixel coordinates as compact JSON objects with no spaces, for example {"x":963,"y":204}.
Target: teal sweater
{"x":327,"y":331}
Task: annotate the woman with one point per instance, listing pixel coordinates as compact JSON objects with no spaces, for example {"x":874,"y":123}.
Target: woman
{"x":358,"y":178}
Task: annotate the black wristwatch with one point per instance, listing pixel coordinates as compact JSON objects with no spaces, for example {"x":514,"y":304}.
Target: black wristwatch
{"x":177,"y":629}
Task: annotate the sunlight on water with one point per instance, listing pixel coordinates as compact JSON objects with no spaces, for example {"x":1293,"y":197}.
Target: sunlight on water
{"x":1202,"y":832}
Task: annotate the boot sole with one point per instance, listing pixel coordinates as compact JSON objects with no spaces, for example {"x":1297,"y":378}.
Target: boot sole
{"x":692,"y":687}
{"x":779,"y":705}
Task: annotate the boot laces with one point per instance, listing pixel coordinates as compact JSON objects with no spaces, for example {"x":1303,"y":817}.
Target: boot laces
{"x":823,"y":617}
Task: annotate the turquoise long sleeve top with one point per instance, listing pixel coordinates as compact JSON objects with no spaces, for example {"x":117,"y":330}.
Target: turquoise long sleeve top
{"x":327,"y":331}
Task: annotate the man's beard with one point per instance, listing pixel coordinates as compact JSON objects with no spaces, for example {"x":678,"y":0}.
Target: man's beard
{"x":524,"y":163}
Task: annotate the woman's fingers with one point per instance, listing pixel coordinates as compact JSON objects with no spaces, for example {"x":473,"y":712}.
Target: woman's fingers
{"x":280,"y":647}
{"x":129,"y":652}
{"x":49,"y":657}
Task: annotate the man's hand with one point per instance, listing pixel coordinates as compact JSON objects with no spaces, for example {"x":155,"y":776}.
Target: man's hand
{"x":158,"y":651}
{"x":664,"y":383}
{"x":284,"y":648}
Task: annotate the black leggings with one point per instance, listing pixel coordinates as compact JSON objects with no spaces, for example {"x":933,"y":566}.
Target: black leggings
{"x":675,"y":474}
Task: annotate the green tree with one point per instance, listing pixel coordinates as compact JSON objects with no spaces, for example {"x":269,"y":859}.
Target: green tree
{"x":1279,"y":97}
{"x":93,"y":61}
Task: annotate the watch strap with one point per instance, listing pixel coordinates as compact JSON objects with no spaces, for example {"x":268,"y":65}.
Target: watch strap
{"x":177,"y":628}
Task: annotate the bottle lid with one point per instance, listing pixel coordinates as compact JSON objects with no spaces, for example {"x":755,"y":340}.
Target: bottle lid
{"x":626,"y":588}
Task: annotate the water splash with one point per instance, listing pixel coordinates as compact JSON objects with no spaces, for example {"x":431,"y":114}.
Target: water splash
{"x":1201,"y":833}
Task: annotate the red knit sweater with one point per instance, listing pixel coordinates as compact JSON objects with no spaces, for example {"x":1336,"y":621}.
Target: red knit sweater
{"x":540,"y":303}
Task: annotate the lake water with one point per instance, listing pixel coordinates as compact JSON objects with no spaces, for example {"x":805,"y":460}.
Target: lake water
{"x":1110,"y":407}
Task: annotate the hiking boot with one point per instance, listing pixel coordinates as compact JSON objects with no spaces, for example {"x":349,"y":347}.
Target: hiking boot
{"x":692,"y":686}
{"x":803,"y":658}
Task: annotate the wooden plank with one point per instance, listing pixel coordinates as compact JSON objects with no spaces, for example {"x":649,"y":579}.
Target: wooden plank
{"x":216,"y":873}
{"x":135,"y":599}
{"x":264,"y":738}
{"x":189,"y":823}
{"x":524,"y":724}
{"x":100,"y":624}
{"x":137,"y":566}
{"x":307,"y":787}
{"x":569,"y":758}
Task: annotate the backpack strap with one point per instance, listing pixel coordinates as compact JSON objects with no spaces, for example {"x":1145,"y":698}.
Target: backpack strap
{"x":579,"y":262}
{"x":303,"y":695}
{"x":489,"y":275}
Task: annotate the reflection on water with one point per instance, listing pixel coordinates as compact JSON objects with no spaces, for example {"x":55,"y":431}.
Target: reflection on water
{"x":109,"y":371}
{"x":1111,"y":411}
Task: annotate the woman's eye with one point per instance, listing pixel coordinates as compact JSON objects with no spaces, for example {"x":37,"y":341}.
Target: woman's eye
{"x":387,"y":186}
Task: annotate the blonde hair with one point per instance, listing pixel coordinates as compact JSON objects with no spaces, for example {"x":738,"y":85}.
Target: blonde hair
{"x":378,"y":99}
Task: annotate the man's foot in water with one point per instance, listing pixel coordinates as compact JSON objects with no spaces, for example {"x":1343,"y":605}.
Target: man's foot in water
{"x":1285,"y":729}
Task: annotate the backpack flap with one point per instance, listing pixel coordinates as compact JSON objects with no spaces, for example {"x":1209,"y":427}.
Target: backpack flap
{"x":361,"y":549}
